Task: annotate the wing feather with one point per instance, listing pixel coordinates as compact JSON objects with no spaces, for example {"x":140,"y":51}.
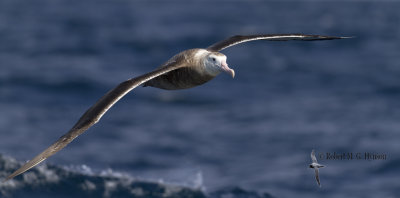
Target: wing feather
{"x":93,"y":115}
{"x":313,"y":158}
{"x":234,"y":40}
{"x":317,"y":177}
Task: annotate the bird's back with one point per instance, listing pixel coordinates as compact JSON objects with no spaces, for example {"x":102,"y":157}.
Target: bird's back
{"x":183,"y":78}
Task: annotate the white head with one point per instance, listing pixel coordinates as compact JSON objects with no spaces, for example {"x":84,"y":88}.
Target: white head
{"x":215,"y":63}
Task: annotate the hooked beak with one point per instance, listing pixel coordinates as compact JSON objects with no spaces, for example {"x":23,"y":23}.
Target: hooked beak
{"x":228,"y":70}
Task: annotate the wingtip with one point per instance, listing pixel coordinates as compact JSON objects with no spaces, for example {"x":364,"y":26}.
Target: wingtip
{"x":8,"y":178}
{"x":324,"y":37}
{"x":346,"y":37}
{"x":339,"y":37}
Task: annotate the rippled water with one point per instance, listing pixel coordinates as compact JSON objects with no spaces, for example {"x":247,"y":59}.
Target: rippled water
{"x":239,"y":137}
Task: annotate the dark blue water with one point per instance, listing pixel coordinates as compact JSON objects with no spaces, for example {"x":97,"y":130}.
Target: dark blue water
{"x":245,"y":137}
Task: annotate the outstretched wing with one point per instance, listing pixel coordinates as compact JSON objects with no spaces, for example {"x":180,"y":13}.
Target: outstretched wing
{"x":317,"y":176}
{"x":313,"y":158}
{"x":94,"y":113}
{"x":234,"y":40}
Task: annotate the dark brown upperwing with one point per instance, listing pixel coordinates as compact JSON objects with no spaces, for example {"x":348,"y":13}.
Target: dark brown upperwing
{"x":234,"y":40}
{"x":93,"y":115}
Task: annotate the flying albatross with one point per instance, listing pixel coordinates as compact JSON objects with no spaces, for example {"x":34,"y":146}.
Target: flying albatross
{"x":187,"y":69}
{"x":315,"y":166}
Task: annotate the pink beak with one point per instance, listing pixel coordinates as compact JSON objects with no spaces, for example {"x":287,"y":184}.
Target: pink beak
{"x":228,"y":70}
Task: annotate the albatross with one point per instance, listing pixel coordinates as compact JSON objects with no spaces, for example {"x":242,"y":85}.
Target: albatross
{"x":316,"y":167}
{"x":186,"y":69}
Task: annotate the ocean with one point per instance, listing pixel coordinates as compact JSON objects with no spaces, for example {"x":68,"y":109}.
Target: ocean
{"x":247,"y":137}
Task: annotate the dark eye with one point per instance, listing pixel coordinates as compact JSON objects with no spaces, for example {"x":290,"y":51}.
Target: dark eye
{"x":213,"y":59}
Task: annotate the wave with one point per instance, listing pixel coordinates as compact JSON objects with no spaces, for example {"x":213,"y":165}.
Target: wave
{"x":55,"y":181}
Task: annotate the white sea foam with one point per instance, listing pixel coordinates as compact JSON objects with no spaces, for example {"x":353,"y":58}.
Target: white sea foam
{"x":82,"y":181}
